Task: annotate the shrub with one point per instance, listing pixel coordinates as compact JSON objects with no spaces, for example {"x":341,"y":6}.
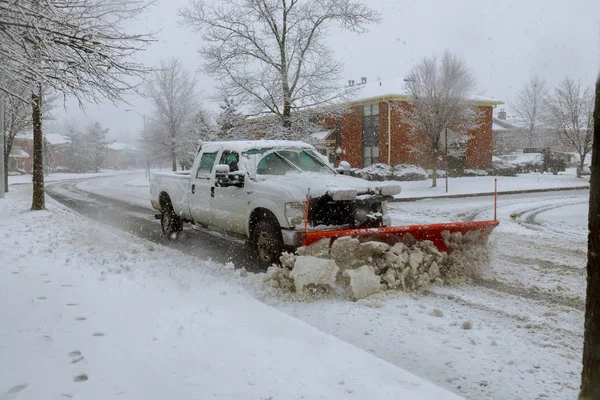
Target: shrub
{"x":408,"y":172}
{"x":474,"y":172}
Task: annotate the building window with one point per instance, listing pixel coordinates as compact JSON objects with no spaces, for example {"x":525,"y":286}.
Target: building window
{"x":370,"y":134}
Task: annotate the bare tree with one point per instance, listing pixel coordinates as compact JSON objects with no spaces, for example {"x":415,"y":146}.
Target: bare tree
{"x":173,"y":92}
{"x":528,"y":106}
{"x":271,"y":54}
{"x":569,"y":111}
{"x":18,"y":118}
{"x":439,"y":98}
{"x":78,"y":48}
{"x":590,"y":374}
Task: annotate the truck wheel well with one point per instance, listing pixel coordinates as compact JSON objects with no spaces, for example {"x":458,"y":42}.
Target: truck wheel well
{"x":164,"y":200}
{"x":261,"y":214}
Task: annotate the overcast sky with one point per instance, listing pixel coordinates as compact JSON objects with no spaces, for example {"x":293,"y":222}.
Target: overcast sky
{"x":503,"y":42}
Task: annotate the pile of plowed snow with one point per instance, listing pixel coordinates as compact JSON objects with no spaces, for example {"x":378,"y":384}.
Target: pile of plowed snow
{"x":357,"y":270}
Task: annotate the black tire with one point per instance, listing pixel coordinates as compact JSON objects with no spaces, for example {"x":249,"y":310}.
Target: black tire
{"x":170,"y":224}
{"x":266,"y":242}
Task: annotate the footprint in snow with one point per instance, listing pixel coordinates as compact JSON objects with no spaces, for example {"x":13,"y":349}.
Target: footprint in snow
{"x":80,"y":318}
{"x":75,"y":356}
{"x":80,"y":378}
{"x":71,"y":304}
{"x":47,"y":281}
{"x":99,"y":334}
{"x":67,"y":285}
{"x":41,"y":297}
{"x":15,"y":272}
{"x":16,"y":389}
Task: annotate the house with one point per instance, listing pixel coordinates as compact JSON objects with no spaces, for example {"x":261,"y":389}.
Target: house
{"x":120,"y":156}
{"x":511,"y":136}
{"x":371,"y":130}
{"x":20,"y":158}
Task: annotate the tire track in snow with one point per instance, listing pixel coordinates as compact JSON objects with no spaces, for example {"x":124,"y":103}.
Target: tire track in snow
{"x":535,"y":295}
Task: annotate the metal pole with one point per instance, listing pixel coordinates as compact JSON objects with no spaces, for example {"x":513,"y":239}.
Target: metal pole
{"x":446,"y":157}
{"x":2,"y":155}
{"x":495,"y":196}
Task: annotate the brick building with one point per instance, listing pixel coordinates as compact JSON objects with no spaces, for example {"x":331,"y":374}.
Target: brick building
{"x":372,"y":130}
{"x":21,"y":154}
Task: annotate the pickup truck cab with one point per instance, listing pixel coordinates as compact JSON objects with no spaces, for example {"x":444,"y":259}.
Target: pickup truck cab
{"x":268,"y":192}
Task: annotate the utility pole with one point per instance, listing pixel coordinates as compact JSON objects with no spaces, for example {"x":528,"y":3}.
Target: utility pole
{"x":2,"y":155}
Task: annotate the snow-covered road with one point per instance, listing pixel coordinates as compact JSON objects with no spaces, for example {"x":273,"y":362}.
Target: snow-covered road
{"x":524,"y":315}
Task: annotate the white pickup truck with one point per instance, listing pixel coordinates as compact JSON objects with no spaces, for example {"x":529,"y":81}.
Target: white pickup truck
{"x":259,"y":189}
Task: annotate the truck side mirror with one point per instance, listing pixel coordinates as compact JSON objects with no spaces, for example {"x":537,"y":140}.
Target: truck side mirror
{"x":224,"y":178}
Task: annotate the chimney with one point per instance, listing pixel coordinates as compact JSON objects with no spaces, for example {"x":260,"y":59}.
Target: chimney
{"x":363,"y":80}
{"x":350,"y":82}
{"x":502,"y":114}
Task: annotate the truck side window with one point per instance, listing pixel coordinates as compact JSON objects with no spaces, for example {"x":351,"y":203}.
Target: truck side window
{"x":232,"y":159}
{"x":207,"y":161}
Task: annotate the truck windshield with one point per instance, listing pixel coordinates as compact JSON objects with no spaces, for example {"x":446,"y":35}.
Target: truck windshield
{"x":281,"y":162}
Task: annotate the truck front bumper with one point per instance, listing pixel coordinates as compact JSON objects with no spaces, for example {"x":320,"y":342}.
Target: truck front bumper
{"x":292,"y":237}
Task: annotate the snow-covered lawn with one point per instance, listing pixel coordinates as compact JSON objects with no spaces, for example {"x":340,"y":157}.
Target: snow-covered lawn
{"x":485,"y":184}
{"x":94,"y":313}
{"x":63,"y":176}
{"x":134,"y":188}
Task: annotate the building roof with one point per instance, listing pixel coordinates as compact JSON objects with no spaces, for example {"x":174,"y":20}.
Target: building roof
{"x":395,"y":89}
{"x":51,"y":138}
{"x":120,"y":146}
{"x":17,"y":152}
{"x":502,"y":125}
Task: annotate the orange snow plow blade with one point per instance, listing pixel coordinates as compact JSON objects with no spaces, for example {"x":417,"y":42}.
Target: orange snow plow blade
{"x":392,"y":234}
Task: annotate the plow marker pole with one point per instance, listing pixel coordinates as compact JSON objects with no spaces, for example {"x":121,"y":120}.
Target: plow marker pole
{"x":495,"y":196}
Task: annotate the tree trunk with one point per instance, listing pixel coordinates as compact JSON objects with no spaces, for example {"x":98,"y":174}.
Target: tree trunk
{"x":38,"y":202}
{"x":173,"y":154}
{"x":7,"y":149}
{"x":581,"y":163}
{"x":590,"y":374}
{"x":435,"y":162}
{"x":287,"y":113}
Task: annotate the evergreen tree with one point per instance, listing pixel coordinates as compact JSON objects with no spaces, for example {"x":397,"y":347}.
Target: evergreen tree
{"x":228,"y":119}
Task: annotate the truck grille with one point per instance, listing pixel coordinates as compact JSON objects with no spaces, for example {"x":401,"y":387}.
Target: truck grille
{"x":363,"y":213}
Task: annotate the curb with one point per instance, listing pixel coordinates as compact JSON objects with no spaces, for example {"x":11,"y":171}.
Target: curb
{"x":459,"y":196}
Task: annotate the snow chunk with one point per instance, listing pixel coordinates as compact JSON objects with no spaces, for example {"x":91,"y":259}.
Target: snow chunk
{"x":310,"y":270}
{"x":318,"y":249}
{"x":363,"y":282}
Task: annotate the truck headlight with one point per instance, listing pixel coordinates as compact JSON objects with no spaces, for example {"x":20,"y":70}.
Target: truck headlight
{"x":294,"y":212}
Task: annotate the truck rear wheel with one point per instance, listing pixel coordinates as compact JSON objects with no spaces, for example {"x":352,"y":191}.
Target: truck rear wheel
{"x":267,"y":242}
{"x":170,"y":224}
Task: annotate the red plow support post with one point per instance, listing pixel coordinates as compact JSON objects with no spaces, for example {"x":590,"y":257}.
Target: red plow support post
{"x":475,"y":231}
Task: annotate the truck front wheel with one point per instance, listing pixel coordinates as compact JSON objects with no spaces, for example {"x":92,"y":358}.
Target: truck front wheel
{"x":267,"y":242}
{"x":170,"y":224}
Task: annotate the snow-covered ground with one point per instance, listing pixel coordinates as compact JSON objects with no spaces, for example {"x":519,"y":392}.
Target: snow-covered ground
{"x":135,"y":188}
{"x":62,"y":176}
{"x":515,"y":333}
{"x":94,"y":313}
{"x":485,"y":184}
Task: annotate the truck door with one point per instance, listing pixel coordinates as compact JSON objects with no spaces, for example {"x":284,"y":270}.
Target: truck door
{"x":200,"y":186}
{"x":229,"y":205}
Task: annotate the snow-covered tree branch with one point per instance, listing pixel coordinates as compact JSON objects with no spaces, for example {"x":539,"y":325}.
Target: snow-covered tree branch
{"x":272,"y":54}
{"x":528,"y":106}
{"x":439,"y":98}
{"x":569,"y":110}
{"x":177,"y":122}
{"x":78,"y":48}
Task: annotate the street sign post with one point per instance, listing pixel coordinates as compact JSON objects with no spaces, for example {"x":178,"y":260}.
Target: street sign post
{"x":447,"y":136}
